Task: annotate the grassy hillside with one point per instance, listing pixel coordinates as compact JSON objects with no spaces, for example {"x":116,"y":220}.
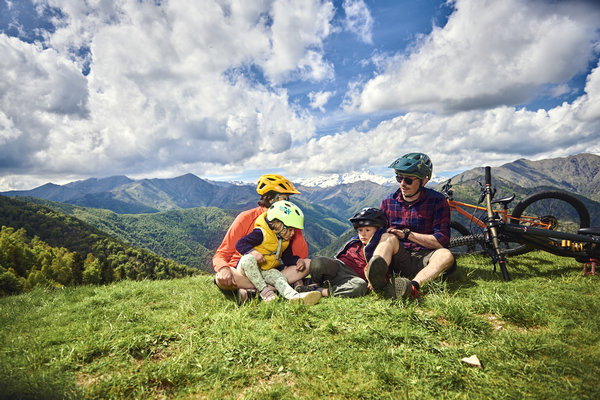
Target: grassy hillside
{"x":190,"y":236}
{"x":536,"y":337}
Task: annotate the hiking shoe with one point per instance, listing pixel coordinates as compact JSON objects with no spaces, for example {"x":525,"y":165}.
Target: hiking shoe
{"x":376,"y":273}
{"x":308,"y":298}
{"x":398,"y":288}
{"x":401,"y":288}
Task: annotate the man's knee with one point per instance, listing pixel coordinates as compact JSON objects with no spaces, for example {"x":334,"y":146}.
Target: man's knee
{"x":446,"y":258}
{"x":360,"y":287}
{"x":441,"y":260}
{"x":323,"y":269}
{"x":448,"y":261}
{"x":388,"y":243}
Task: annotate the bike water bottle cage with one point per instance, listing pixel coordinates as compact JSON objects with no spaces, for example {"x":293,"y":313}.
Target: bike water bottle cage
{"x":415,"y":164}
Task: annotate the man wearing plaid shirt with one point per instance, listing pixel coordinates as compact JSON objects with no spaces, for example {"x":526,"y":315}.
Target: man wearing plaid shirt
{"x":415,"y":243}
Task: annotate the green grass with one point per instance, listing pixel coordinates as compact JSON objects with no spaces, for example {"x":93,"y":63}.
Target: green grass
{"x":536,"y":336}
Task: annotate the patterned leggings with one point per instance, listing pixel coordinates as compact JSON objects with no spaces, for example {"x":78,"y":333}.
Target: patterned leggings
{"x":248,"y":266}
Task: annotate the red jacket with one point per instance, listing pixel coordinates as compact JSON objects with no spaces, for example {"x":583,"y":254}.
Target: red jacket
{"x":227,"y":256}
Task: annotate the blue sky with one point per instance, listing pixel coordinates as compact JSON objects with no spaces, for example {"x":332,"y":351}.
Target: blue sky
{"x":228,"y":90}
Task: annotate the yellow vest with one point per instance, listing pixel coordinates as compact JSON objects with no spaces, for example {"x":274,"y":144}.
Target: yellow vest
{"x":271,"y":247}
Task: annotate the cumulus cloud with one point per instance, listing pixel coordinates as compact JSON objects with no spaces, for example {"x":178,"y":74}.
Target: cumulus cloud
{"x":157,"y":89}
{"x":168,"y":84}
{"x":459,"y":141}
{"x":319,"y":99}
{"x":490,"y":53}
{"x":359,"y":19}
{"x":298,"y":29}
{"x":590,"y":103}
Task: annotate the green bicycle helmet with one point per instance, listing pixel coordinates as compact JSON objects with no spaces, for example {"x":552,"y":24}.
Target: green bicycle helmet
{"x":287,"y":212}
{"x":414,"y":164}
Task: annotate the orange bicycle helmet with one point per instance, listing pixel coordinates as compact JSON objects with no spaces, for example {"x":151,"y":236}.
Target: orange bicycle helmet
{"x":275,"y":183}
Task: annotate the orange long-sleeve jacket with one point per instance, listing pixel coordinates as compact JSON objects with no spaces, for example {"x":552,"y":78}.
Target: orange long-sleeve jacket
{"x":227,"y":256}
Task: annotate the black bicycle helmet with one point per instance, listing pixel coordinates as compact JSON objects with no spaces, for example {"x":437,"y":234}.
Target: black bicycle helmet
{"x":369,"y":216}
{"x":415,"y":164}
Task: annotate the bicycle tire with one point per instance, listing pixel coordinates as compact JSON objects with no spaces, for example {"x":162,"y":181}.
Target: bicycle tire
{"x":460,"y":246}
{"x":460,"y":228}
{"x":468,"y":241}
{"x":564,"y":211}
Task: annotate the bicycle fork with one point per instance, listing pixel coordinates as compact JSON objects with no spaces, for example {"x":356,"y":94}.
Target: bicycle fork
{"x":498,"y":256}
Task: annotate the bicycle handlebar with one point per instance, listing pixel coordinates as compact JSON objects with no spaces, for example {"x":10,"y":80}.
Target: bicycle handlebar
{"x":488,"y":176}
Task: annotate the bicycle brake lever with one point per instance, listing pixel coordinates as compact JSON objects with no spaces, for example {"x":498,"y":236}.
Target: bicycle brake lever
{"x":447,"y":189}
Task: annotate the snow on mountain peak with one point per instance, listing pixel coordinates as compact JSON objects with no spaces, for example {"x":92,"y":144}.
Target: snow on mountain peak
{"x":340,"y":179}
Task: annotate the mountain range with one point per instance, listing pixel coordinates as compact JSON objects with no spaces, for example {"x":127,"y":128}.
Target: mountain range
{"x":177,"y":217}
{"x":579,"y":174}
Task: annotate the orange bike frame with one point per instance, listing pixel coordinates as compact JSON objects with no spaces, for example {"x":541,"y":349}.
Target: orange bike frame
{"x":523,"y":219}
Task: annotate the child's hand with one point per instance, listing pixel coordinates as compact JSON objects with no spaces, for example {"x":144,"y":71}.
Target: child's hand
{"x":259,"y":257}
{"x":300,"y":265}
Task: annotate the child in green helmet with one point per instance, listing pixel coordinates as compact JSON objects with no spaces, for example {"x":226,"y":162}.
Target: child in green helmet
{"x":267,"y":246}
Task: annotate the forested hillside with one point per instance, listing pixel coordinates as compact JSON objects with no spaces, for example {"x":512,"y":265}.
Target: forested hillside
{"x":191,"y":236}
{"x":41,"y":246}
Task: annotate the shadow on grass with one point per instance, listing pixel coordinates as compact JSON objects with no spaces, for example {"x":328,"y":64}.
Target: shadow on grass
{"x":471,"y":269}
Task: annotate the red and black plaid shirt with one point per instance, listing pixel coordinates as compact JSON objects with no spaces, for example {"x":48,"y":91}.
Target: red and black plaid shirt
{"x":430,"y":214}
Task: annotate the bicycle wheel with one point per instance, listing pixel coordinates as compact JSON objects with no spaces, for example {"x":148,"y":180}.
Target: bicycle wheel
{"x":467,"y":244}
{"x":557,"y":210}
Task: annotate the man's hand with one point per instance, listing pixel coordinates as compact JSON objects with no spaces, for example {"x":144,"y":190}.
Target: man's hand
{"x":300,"y":265}
{"x":397,"y":232}
{"x":259,"y":257}
{"x":224,"y":278}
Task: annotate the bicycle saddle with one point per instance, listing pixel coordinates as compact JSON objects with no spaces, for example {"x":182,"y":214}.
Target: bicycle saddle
{"x":592,"y":230}
{"x":504,"y":201}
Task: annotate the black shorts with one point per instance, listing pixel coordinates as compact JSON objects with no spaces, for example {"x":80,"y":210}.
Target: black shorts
{"x":409,"y":263}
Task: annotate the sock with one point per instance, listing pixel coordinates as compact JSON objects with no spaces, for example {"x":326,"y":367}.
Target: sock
{"x":416,"y":284}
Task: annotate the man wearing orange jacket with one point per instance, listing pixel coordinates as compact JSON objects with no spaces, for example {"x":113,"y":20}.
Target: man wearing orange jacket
{"x":271,"y":188}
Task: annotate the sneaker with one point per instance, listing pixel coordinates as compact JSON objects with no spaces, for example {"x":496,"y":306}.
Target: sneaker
{"x":308,"y":298}
{"x":398,"y":288}
{"x":376,"y":273}
{"x":268,"y":293}
{"x":401,"y":288}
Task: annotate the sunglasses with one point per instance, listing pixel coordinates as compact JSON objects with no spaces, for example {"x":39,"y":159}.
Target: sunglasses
{"x":407,"y":179}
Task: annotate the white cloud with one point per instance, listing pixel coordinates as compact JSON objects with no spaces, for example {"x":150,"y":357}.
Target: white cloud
{"x":196,"y":86}
{"x":359,"y":19}
{"x":319,"y":99}
{"x":168,"y":85}
{"x":490,"y":53}
{"x":298,"y":30}
{"x":459,"y":141}
{"x":590,"y":104}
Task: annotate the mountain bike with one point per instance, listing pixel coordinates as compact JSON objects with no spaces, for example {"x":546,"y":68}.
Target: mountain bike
{"x":584,"y":245}
{"x":548,"y":209}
